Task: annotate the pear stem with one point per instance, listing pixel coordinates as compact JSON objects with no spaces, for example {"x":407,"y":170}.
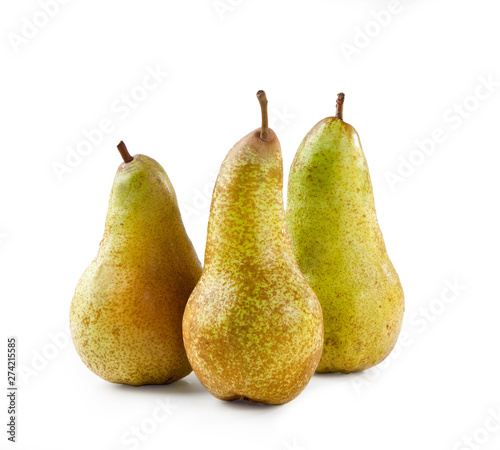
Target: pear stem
{"x":264,"y":133}
{"x":122,"y":148}
{"x":340,"y":106}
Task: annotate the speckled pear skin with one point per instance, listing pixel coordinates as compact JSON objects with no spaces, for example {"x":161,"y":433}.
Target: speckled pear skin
{"x":339,"y":247}
{"x":253,"y":327}
{"x":126,"y":314}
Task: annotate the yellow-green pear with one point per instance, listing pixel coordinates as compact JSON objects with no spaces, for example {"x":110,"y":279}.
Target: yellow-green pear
{"x":253,"y":327}
{"x":126,"y":314}
{"x":339,"y":247}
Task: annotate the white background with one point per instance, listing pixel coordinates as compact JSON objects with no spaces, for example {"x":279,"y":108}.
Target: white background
{"x":440,"y":222}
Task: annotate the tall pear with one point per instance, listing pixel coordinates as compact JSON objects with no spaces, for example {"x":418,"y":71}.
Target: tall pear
{"x":253,"y":327}
{"x":126,"y":314}
{"x":339,"y":247}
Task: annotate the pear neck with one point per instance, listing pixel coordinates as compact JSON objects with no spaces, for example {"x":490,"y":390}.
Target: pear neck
{"x":246,"y":218}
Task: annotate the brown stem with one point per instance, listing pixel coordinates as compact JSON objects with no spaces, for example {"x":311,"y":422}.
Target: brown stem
{"x":122,"y":148}
{"x":264,"y":133}
{"x":340,"y":106}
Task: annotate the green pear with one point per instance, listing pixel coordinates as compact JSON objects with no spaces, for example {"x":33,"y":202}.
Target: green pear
{"x":339,"y":247}
{"x":126,"y":314}
{"x":253,"y":327}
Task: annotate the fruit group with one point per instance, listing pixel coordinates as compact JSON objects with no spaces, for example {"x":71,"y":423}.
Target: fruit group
{"x":126,"y":314}
{"x":339,"y":247}
{"x":253,"y":327}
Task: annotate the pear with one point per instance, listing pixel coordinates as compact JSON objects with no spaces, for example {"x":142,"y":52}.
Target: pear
{"x":126,"y":313}
{"x":253,"y":327}
{"x":340,"y":249}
